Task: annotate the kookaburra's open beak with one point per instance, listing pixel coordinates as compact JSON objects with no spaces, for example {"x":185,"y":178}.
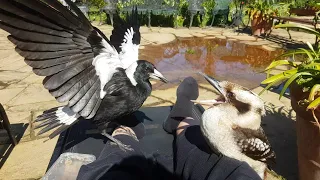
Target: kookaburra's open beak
{"x":216,"y":85}
{"x":158,"y":76}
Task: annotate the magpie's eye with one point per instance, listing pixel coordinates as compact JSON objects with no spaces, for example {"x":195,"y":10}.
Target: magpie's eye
{"x":230,"y":95}
{"x":149,"y":69}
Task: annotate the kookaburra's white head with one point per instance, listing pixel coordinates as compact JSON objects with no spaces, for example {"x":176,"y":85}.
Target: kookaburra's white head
{"x":237,"y":104}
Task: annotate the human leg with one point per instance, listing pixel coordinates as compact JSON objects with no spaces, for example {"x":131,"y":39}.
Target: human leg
{"x":187,"y":90}
{"x":112,"y":155}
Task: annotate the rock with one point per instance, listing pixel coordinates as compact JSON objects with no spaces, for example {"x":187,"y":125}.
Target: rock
{"x":16,"y":66}
{"x":11,"y":77}
{"x":7,"y":94}
{"x":156,"y":38}
{"x":198,"y":34}
{"x":31,"y":79}
{"x":220,"y":37}
{"x":209,"y":37}
{"x":268,"y":48}
{"x":28,"y":160}
{"x":183,"y":35}
{"x":32,"y":94}
{"x":36,"y":106}
{"x":257,"y":43}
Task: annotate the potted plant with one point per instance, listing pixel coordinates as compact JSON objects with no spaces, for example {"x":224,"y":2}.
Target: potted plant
{"x":261,"y":14}
{"x":303,"y":80}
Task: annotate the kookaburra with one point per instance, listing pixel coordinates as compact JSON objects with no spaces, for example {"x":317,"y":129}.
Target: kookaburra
{"x":232,"y":125}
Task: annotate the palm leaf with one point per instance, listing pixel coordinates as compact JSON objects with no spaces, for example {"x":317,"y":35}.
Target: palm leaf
{"x":293,"y":52}
{"x":281,"y":62}
{"x":290,"y":80}
{"x":314,"y":66}
{"x":281,"y":76}
{"x":314,"y":104}
{"x":308,"y":53}
{"x":313,"y":91}
{"x":268,"y":87}
{"x":311,"y":47}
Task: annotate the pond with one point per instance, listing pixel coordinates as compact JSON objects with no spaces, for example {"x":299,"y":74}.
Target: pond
{"x":223,"y":59}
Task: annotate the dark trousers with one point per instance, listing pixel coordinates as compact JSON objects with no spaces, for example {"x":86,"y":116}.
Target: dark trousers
{"x":192,"y":160}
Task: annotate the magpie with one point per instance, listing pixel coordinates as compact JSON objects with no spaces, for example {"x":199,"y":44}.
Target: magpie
{"x":232,"y":124}
{"x":99,"y":79}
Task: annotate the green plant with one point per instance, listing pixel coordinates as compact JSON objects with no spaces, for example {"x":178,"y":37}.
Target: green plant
{"x":97,"y":3}
{"x":182,"y":13}
{"x":179,"y":21}
{"x":304,"y":3}
{"x":121,"y":4}
{"x":305,"y":73}
{"x":171,"y":3}
{"x":208,"y":6}
{"x":261,"y":8}
{"x":282,"y":9}
{"x":190,"y":51}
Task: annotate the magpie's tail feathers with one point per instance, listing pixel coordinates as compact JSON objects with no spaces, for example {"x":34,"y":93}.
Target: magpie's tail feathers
{"x":60,"y":119}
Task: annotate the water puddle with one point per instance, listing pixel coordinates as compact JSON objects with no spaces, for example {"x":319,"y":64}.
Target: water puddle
{"x":223,"y":59}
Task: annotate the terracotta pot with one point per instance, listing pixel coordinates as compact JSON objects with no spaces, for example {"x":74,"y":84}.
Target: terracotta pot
{"x":257,"y":25}
{"x":260,"y":26}
{"x":268,"y":26}
{"x":308,"y":137}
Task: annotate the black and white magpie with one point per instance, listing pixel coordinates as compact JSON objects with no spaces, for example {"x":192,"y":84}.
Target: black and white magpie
{"x":100,"y":79}
{"x":232,"y":125}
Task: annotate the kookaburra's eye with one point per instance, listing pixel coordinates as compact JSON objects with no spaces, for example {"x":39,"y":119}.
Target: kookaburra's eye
{"x":230,"y":95}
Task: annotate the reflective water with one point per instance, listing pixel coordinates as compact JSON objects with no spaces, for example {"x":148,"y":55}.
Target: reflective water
{"x":223,"y":59}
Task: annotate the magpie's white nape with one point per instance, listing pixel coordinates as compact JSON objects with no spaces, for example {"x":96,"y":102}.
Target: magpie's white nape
{"x":100,"y":79}
{"x":232,"y":124}
{"x":143,"y":70}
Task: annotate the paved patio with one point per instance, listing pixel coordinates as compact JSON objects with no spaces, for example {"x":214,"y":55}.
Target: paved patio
{"x":24,"y":98}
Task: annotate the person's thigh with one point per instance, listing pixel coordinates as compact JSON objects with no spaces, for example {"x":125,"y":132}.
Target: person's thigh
{"x":110,"y":156}
{"x":194,"y":159}
{"x":192,"y":156}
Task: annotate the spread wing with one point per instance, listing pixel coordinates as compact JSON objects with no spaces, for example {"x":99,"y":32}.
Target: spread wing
{"x":126,"y":37}
{"x":254,"y":144}
{"x":76,"y":58}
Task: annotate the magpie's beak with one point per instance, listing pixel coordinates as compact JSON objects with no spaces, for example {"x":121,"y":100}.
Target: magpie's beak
{"x":216,"y":84}
{"x":158,"y":76}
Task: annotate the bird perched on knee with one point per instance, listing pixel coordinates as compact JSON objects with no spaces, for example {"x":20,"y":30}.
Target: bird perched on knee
{"x":232,"y":125}
{"x":100,"y":79}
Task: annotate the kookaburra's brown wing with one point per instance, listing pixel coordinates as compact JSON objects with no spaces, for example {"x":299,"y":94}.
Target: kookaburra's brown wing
{"x":254,"y":144}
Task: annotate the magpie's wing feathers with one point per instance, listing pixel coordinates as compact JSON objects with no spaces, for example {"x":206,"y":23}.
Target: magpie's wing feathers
{"x":76,"y":58}
{"x":114,"y":89}
{"x":126,"y":37}
{"x":254,"y":144}
{"x":118,"y":85}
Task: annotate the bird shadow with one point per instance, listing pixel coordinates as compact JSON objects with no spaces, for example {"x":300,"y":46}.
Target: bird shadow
{"x":280,"y":129}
